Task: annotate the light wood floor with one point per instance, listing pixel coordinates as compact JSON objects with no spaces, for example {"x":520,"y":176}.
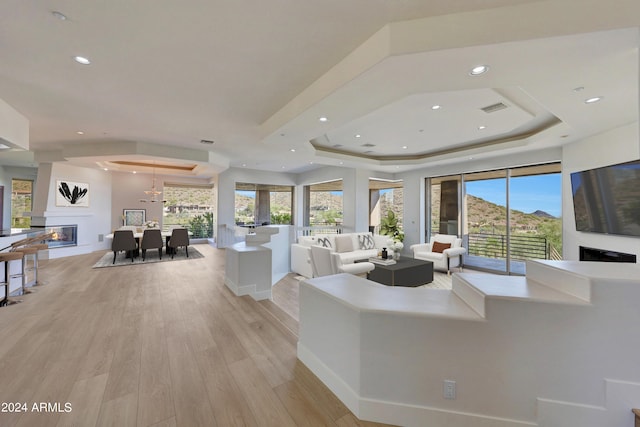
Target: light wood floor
{"x":164,"y":344}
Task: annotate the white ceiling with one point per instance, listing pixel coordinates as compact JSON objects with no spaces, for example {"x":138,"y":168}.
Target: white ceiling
{"x":255,"y":77}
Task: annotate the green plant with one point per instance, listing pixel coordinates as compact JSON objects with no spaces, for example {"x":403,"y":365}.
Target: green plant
{"x":202,"y":225}
{"x":280,"y":218}
{"x":389,"y":227}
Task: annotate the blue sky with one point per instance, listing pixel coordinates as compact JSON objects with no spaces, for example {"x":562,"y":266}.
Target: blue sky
{"x":528,"y":193}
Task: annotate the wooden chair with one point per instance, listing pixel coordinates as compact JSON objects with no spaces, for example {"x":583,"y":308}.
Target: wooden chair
{"x":123,"y":240}
{"x":151,"y":239}
{"x":179,"y":238}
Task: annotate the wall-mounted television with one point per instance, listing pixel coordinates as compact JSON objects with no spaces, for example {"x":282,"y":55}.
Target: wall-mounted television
{"x":607,"y":199}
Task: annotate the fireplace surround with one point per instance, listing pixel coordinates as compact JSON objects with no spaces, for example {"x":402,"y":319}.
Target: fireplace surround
{"x":63,"y":236}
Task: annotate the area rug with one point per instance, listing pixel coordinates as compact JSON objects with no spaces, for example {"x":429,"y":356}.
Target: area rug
{"x":152,"y":256}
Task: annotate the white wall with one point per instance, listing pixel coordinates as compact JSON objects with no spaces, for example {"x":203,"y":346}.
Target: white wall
{"x":616,"y":146}
{"x":14,"y":127}
{"x":128,"y":189}
{"x":93,"y":221}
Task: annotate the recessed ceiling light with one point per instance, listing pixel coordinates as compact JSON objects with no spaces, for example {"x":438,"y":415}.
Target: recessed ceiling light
{"x":436,"y":107}
{"x":482,"y":127}
{"x":80,"y":132}
{"x":134,"y":172}
{"x":105,"y":169}
{"x":61,"y":16}
{"x":404,"y":147}
{"x":358,"y":135}
{"x":81,"y":60}
{"x":310,"y":163}
{"x":480,"y":69}
{"x":293,"y":150}
{"x":592,"y":100}
{"x":341,"y":163}
{"x":283,"y":167}
{"x":323,"y":119}
{"x":244,"y":165}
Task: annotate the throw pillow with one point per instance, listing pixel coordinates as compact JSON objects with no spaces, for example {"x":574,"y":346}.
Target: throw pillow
{"x":324,"y":242}
{"x":440,"y":247}
{"x":365,"y":241}
{"x":344,"y":244}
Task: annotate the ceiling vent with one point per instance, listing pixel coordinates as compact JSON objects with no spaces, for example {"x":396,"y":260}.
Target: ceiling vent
{"x":337,"y":145}
{"x":494,"y":107}
{"x":206,"y":141}
{"x":368,"y":145}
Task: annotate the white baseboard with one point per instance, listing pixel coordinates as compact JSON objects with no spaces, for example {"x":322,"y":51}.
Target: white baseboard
{"x":341,"y":389}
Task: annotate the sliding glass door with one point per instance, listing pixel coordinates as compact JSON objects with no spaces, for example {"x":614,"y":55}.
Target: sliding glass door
{"x":535,"y":215}
{"x":505,"y":216}
{"x":485,"y":206}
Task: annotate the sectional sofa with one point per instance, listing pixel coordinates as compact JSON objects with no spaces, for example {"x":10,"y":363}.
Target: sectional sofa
{"x":350,"y":247}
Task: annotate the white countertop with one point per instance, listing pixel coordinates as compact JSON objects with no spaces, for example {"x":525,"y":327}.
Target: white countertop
{"x":364,"y":295}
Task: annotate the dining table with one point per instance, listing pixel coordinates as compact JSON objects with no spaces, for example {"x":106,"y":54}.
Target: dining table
{"x":139,"y":232}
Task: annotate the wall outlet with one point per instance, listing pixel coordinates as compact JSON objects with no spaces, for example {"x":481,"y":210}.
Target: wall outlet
{"x":449,"y":389}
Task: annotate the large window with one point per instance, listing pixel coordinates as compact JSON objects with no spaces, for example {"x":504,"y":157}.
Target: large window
{"x":384,"y":197}
{"x":21,"y":202}
{"x":190,"y":205}
{"x":263,"y":204}
{"x":323,"y":204}
{"x":504,"y":216}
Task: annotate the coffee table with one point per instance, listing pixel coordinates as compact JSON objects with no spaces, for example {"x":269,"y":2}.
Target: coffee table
{"x":405,"y":272}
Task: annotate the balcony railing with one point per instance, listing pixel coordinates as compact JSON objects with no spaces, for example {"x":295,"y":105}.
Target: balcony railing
{"x":318,"y":228}
{"x":522,"y":247}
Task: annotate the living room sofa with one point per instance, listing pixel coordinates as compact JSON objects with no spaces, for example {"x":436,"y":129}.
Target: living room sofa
{"x":350,"y":247}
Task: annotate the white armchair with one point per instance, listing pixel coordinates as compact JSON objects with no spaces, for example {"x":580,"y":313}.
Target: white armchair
{"x":444,"y":250}
{"x":325,"y":262}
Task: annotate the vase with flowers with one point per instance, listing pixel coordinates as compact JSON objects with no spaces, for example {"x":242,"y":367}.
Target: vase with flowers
{"x":397,"y":247}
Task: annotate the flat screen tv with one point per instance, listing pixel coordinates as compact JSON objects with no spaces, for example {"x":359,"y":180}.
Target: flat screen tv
{"x":607,"y":199}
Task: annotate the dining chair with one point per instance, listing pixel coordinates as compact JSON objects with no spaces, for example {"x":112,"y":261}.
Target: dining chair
{"x":179,"y":237}
{"x":123,"y":240}
{"x":151,"y":239}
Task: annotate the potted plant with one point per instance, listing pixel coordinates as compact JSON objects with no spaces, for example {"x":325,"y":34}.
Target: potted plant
{"x":389,"y":227}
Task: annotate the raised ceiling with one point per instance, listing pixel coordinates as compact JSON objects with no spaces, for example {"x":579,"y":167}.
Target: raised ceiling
{"x":256,"y":78}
